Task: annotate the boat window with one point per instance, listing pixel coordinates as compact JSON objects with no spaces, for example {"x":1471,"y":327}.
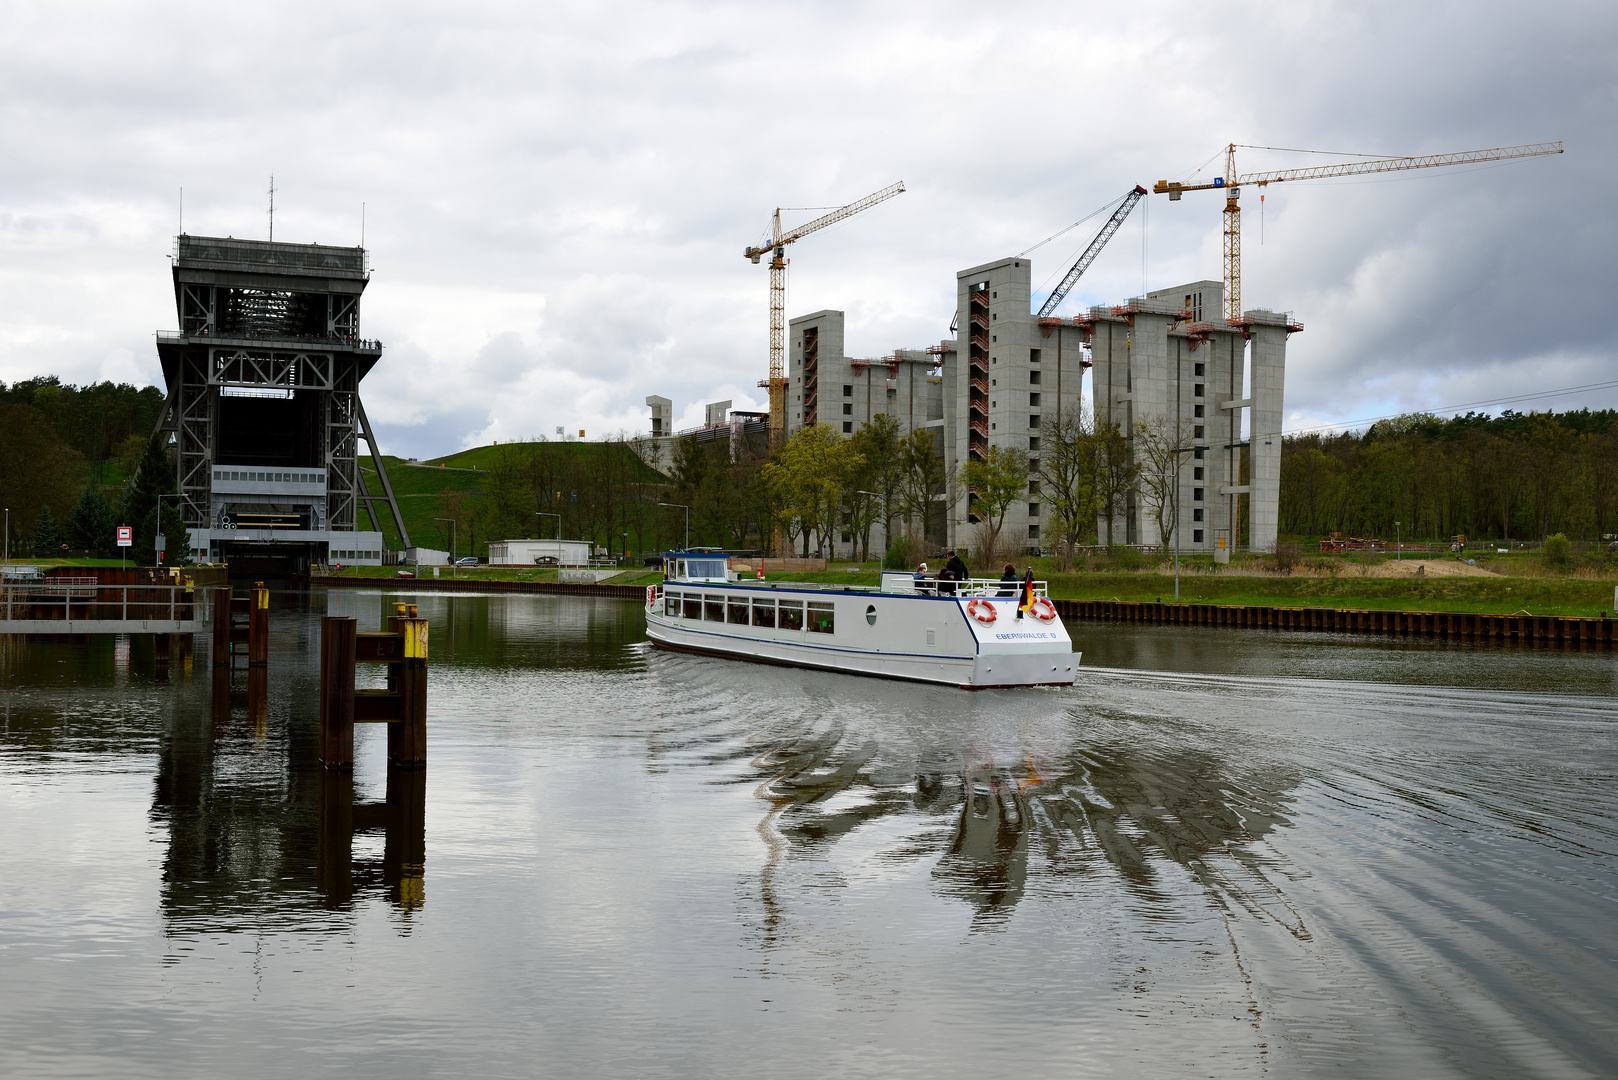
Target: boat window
{"x":679,"y":568}
{"x":707,"y":568}
{"x":736,"y":611}
{"x":671,"y":604}
{"x":792,"y":614}
{"x":763,"y":612}
{"x":693,"y":606}
{"x":714,"y":608}
{"x":822,"y":617}
{"x":870,"y":613}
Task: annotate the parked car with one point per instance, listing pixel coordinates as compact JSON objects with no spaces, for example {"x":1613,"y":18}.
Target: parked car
{"x":467,"y":560}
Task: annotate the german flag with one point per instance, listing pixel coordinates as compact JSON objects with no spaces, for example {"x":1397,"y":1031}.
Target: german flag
{"x":1026,"y":602}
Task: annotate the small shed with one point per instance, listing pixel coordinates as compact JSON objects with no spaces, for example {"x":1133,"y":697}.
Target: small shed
{"x":524,"y":552}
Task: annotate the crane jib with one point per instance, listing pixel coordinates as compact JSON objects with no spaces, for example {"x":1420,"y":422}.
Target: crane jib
{"x":1107,"y":232}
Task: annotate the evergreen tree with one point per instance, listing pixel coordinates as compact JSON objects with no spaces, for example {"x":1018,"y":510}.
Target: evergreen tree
{"x":47,"y":544}
{"x":91,"y":525}
{"x":176,"y":538}
{"x":154,"y":477}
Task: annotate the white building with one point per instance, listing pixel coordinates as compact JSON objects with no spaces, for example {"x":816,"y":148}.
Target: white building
{"x":524,"y":552}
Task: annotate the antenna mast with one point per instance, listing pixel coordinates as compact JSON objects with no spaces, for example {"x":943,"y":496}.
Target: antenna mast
{"x":272,"y":207}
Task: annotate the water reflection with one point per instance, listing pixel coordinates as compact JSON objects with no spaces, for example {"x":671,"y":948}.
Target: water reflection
{"x":397,"y":872}
{"x":648,"y":862}
{"x":1131,"y":808}
{"x":258,"y":832}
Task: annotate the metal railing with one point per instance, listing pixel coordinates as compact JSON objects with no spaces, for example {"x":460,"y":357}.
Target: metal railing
{"x":255,"y":338}
{"x":993,"y":588}
{"x":82,"y":600}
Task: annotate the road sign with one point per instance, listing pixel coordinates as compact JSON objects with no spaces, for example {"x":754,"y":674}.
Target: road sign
{"x":126,"y":536}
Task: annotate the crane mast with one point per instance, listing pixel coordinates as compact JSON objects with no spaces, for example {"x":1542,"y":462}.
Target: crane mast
{"x":1076,"y":271}
{"x":778,"y":292}
{"x":1232,"y":184}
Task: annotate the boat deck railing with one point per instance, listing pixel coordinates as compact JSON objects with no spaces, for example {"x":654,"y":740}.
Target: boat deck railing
{"x":992,"y":587}
{"x":970,"y":587}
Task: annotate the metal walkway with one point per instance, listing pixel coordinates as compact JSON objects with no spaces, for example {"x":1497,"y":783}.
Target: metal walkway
{"x":84,"y":606}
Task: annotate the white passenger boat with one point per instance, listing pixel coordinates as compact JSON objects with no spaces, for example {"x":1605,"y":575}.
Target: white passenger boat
{"x":904,"y":629}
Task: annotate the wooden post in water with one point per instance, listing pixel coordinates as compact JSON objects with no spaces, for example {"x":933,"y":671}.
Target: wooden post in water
{"x":337,"y":635}
{"x":258,"y":626}
{"x":407,"y":737}
{"x":221,"y":627}
{"x":402,"y":706}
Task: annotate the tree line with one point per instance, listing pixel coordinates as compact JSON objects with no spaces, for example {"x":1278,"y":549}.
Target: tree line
{"x":818,"y":488}
{"x":67,"y":454}
{"x":1516,"y":476}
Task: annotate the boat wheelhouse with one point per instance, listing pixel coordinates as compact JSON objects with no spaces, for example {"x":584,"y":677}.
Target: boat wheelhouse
{"x":973,"y":634}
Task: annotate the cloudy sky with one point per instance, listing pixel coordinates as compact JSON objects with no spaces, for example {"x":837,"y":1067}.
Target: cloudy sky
{"x":557,"y":196}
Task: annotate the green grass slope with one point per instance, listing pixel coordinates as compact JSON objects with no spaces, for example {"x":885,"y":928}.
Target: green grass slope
{"x":424,"y":488}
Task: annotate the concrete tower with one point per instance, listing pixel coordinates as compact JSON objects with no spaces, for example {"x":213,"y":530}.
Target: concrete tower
{"x":1009,"y":372}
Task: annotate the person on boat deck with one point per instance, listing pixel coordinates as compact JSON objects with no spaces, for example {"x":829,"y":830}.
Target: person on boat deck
{"x":1008,"y":578}
{"x":954,"y":570}
{"x":921,"y":573}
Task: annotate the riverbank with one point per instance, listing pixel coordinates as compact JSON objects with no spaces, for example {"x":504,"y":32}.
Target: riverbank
{"x":1481,"y":594}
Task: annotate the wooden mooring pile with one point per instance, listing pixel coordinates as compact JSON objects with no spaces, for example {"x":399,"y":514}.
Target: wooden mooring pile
{"x":402,"y":705}
{"x":1521,"y":627}
{"x":241,"y":620}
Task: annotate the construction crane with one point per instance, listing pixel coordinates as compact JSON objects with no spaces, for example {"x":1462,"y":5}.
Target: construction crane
{"x":1233,"y":183}
{"x":1076,"y":271}
{"x":778,"y":293}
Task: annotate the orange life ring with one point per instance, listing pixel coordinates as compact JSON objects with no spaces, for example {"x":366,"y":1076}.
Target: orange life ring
{"x":981,"y":610}
{"x":1043,"y":609}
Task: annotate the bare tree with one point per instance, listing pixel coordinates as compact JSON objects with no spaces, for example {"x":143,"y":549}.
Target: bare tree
{"x":1067,"y":474}
{"x":1159,"y":442}
{"x":1116,"y":471}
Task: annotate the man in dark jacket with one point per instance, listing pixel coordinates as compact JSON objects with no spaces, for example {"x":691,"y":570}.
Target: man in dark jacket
{"x":955,"y":570}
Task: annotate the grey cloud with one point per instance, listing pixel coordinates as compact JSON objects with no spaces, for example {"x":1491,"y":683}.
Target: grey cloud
{"x":557,"y":198}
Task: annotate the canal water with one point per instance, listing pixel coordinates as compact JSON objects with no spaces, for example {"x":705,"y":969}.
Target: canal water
{"x":1220,"y":854}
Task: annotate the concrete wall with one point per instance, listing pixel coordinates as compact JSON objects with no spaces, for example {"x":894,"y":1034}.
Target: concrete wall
{"x":1154,"y":363}
{"x":1269,"y":343}
{"x":1168,"y":356}
{"x":1033,"y":372}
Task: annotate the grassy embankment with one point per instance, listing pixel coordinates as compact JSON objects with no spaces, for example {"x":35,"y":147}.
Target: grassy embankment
{"x":428,"y":490}
{"x":1492,"y":594}
{"x":1499,"y":585}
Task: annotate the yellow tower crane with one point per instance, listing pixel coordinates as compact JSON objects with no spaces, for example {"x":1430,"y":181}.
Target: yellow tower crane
{"x":1233,"y":184}
{"x":778,"y":293}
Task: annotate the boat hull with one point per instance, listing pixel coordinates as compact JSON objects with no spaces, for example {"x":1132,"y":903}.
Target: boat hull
{"x":913,"y":638}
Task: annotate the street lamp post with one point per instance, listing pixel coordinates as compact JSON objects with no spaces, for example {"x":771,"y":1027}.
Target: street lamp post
{"x":454,"y":571}
{"x":1398,"y":541}
{"x":8,"y":536}
{"x":884,"y":521}
{"x":687,"y":509}
{"x":159,"y":535}
{"x":558,"y":517}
